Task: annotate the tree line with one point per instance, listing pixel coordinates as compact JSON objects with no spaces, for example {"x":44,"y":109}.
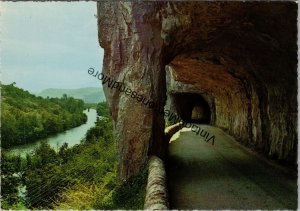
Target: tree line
{"x":82,"y":177}
{"x":26,"y":118}
{"x":47,"y":173}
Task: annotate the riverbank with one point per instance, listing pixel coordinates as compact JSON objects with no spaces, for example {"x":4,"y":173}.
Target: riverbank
{"x":27,"y":118}
{"x":47,"y":175}
{"x":71,"y":137}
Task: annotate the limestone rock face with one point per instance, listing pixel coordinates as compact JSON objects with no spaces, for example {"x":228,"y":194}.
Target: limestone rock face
{"x":241,"y":57}
{"x":133,"y":55}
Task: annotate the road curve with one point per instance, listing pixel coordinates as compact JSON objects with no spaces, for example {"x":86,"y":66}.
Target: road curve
{"x":224,"y":175}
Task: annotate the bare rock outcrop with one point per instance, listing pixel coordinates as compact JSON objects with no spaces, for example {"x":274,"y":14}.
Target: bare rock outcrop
{"x":240,"y":57}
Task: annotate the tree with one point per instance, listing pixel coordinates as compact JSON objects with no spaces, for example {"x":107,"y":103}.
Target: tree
{"x":9,"y":128}
{"x":64,"y":153}
{"x":10,"y":179}
{"x":103,"y":110}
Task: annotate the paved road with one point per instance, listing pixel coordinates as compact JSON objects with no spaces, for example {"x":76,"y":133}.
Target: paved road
{"x":224,"y":175}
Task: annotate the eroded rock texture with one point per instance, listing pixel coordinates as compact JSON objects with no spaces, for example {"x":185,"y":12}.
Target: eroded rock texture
{"x":240,"y":57}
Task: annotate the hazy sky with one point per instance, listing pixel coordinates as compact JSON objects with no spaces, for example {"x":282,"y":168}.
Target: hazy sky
{"x":49,"y":44}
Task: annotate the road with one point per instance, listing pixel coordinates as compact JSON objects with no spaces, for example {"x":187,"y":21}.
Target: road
{"x":224,"y":175}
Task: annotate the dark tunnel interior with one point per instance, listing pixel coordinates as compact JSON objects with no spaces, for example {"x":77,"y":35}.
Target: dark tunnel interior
{"x":192,"y":108}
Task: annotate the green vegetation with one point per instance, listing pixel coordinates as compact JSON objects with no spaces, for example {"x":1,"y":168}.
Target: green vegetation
{"x":11,"y":174}
{"x":130,"y":195}
{"x":81,"y":177}
{"x":26,"y":118}
{"x":88,"y":95}
{"x":103,"y":110}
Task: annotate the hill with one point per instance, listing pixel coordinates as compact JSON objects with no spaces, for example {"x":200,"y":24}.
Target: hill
{"x":26,"y":118}
{"x":88,"y":95}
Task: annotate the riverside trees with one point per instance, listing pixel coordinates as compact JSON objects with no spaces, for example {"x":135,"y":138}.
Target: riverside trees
{"x":81,"y":177}
{"x":50,"y":175}
{"x":26,"y":118}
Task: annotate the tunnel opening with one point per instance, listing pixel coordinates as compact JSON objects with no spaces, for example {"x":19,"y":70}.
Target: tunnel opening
{"x":192,"y":107}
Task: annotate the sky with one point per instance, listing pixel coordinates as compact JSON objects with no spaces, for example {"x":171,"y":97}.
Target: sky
{"x":49,"y":44}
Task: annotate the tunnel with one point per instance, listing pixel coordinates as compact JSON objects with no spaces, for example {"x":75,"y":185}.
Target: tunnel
{"x":192,"y":108}
{"x":228,"y":67}
{"x":234,"y":62}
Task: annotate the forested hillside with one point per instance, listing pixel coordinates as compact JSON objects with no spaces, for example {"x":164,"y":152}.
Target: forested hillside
{"x":88,"y":95}
{"x":26,"y":118}
{"x":81,"y":178}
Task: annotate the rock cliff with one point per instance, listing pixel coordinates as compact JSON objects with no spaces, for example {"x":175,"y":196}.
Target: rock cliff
{"x":239,"y":57}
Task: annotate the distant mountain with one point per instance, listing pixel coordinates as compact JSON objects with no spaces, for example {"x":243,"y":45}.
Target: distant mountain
{"x":88,"y":95}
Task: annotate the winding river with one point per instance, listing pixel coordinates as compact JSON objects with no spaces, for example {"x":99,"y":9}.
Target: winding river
{"x":72,"y":136}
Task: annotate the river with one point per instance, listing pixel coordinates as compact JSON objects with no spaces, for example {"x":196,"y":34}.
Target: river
{"x":72,"y":137}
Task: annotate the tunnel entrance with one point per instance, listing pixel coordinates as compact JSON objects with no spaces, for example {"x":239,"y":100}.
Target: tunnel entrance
{"x":192,"y":107}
